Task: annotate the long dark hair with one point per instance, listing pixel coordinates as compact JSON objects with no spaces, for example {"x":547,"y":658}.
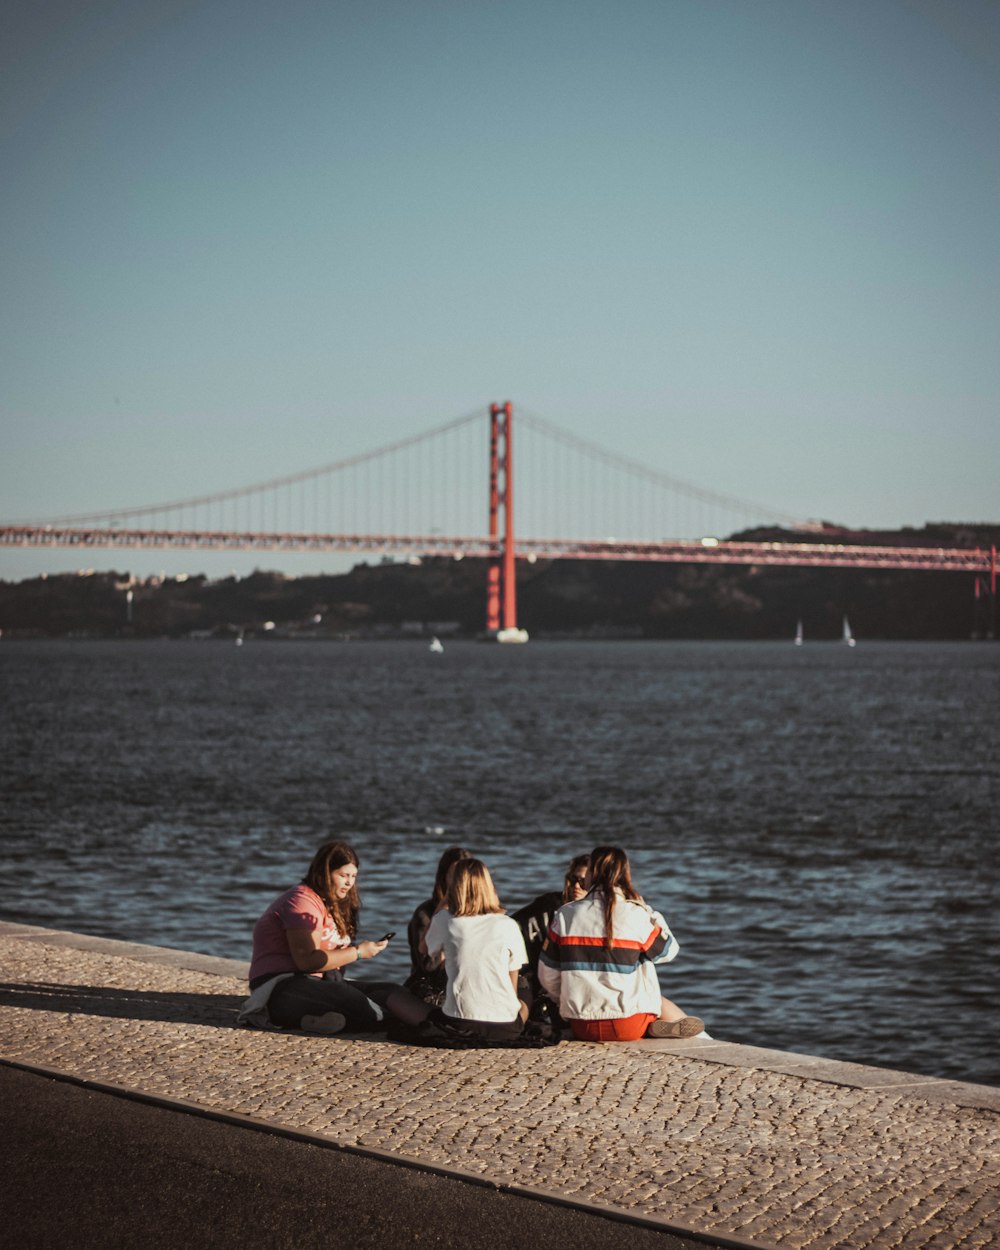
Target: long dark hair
{"x":319,"y":877}
{"x":453,"y":855}
{"x":609,"y":872}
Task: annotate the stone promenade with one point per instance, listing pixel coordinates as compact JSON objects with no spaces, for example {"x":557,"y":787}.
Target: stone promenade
{"x":742,"y":1146}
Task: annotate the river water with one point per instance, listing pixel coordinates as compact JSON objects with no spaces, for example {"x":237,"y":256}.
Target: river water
{"x":818,"y":824}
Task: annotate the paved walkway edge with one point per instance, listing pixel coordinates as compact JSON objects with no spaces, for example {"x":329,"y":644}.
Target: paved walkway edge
{"x":708,"y":1140}
{"x":711,"y":1050}
{"x":188,"y":1107}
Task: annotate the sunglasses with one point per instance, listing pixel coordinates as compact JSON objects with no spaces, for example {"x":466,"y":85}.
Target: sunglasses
{"x":580,"y":881}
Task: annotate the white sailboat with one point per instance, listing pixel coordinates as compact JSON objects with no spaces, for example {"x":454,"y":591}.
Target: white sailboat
{"x":848,"y":637}
{"x":436,"y":646}
{"x":798,"y":634}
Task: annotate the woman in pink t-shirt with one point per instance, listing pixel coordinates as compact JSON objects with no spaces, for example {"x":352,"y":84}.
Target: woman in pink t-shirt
{"x":303,"y":943}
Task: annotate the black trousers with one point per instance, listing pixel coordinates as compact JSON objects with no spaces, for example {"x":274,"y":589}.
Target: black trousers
{"x":303,"y":995}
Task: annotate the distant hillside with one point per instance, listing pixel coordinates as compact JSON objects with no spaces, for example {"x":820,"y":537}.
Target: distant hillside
{"x":555,"y":598}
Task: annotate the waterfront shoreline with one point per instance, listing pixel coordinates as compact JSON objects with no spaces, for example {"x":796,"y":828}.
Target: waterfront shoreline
{"x":811,"y":821}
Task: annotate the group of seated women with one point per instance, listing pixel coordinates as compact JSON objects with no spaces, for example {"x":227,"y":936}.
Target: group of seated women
{"x":477,"y":974}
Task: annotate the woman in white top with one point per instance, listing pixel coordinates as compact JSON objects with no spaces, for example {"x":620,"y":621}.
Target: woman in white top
{"x":483,"y":951}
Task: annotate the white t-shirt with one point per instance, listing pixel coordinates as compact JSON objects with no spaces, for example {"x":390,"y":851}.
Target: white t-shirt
{"x":480,"y":953}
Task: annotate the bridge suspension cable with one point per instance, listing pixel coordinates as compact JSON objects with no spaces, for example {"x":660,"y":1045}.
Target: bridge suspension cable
{"x":431,"y":482}
{"x":427,"y":494}
{"x":276,"y":483}
{"x":747,"y":511}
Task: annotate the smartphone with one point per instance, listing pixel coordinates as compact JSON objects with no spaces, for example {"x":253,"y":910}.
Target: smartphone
{"x":387,"y":936}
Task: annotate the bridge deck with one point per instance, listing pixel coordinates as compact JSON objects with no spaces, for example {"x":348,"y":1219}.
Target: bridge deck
{"x":682,"y":551}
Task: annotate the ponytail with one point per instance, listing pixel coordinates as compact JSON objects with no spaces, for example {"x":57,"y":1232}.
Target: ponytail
{"x":609,"y":873}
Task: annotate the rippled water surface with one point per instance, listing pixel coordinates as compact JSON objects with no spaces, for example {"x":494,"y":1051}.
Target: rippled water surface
{"x":819,"y":826}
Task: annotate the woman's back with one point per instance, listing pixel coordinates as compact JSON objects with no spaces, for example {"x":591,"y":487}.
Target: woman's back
{"x":480,"y":954}
{"x":597,"y":980}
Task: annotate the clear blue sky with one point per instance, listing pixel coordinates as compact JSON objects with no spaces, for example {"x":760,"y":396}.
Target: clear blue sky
{"x":752,"y":244}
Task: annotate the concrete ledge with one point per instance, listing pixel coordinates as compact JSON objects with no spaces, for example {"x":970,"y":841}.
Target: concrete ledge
{"x":814,"y":1068}
{"x":162,"y":955}
{"x":835,"y":1071}
{"x":743,"y":1146}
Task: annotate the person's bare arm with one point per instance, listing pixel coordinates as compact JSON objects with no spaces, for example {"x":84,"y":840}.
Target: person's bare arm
{"x":430,"y":962}
{"x":309,"y":956}
{"x":522,"y":1006}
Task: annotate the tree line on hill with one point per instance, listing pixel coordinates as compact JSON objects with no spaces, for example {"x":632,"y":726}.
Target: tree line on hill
{"x":556,"y":598}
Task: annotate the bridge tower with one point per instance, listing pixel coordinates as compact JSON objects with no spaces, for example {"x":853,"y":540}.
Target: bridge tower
{"x":501,"y":583}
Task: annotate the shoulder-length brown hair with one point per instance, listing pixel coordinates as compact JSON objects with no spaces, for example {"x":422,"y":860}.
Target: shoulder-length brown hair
{"x":471,"y":891}
{"x":453,"y":855}
{"x":319,"y":877}
{"x":609,"y":873}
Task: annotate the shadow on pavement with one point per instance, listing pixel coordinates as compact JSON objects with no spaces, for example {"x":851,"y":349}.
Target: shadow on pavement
{"x":123,"y":1004}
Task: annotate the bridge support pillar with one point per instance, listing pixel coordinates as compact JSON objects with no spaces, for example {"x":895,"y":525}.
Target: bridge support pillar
{"x":501,"y":583}
{"x":493,"y":569}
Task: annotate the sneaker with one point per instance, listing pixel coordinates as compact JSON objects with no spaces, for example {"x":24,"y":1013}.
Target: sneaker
{"x":328,"y":1024}
{"x":687,"y":1026}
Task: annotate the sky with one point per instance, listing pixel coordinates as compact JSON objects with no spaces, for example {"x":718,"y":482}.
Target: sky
{"x":750,"y":243}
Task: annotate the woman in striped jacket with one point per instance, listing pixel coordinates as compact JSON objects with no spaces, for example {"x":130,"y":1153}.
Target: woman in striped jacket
{"x":598,"y":960}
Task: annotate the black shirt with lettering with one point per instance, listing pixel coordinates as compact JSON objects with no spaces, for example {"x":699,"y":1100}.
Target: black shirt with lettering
{"x":534,"y":920}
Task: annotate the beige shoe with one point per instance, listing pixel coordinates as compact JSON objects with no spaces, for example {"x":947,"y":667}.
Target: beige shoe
{"x":687,"y":1026}
{"x":332,"y":1022}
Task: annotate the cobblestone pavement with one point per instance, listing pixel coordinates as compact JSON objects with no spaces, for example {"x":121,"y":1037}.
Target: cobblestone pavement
{"x":752,"y":1146}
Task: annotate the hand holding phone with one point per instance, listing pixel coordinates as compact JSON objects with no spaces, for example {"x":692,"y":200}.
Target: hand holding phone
{"x":387,"y":936}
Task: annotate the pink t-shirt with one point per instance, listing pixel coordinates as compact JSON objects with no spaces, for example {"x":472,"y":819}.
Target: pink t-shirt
{"x":298,"y":908}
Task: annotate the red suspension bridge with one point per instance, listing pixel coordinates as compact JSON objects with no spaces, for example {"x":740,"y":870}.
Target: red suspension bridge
{"x":422,"y":496}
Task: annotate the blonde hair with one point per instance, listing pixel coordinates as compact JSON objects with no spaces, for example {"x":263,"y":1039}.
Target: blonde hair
{"x":471,"y":891}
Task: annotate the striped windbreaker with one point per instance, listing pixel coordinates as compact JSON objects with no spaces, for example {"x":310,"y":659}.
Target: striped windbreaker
{"x":590,"y":982}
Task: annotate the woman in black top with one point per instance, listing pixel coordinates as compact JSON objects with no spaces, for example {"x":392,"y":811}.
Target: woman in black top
{"x":536,"y":916}
{"x":427,"y":978}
